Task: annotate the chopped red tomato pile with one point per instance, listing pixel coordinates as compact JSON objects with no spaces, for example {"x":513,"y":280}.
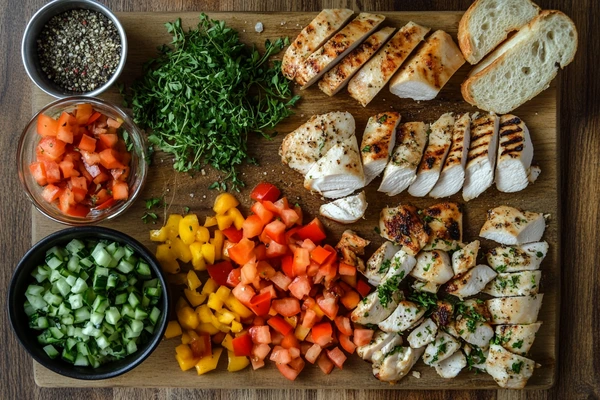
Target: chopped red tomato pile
{"x":81,"y":161}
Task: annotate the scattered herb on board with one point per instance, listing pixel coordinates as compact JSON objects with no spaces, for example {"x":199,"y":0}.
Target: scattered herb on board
{"x":203,"y":95}
{"x":150,"y":204}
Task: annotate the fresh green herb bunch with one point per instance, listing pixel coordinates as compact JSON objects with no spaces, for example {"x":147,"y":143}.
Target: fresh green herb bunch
{"x":205,"y":93}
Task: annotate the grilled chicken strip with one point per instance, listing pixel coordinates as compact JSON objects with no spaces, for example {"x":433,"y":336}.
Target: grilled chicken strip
{"x":302,"y":148}
{"x":440,"y":140}
{"x":425,"y":286}
{"x":397,"y":364}
{"x":337,"y":48}
{"x":400,"y":267}
{"x":380,"y":354}
{"x":471,"y":282}
{"x":517,"y":339}
{"x":509,"y":370}
{"x":378,"y":141}
{"x":371,"y":78}
{"x":445,"y":222}
{"x":440,"y":349}
{"x":372,"y":311}
{"x":526,"y":257}
{"x":379,"y":341}
{"x":338,"y":173}
{"x":379,"y":263}
{"x":478,"y":356}
{"x":509,"y":225}
{"x":427,"y":71}
{"x":403,"y":317}
{"x":515,"y":153}
{"x":453,"y":174}
{"x":451,"y":366}
{"x":465,"y":258}
{"x":317,"y":32}
{"x":433,"y":266}
{"x":521,"y":283}
{"x":515,"y":310}
{"x":403,"y":226}
{"x":346,"y":210}
{"x":481,"y":159}
{"x":337,"y":77}
{"x":472,"y":323}
{"x":423,"y":334}
{"x":401,"y":170}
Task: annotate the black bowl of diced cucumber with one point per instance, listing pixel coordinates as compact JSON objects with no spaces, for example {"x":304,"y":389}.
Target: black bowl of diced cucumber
{"x":88,"y":303}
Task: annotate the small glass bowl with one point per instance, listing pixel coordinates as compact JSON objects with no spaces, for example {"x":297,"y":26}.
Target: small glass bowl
{"x":26,"y":155}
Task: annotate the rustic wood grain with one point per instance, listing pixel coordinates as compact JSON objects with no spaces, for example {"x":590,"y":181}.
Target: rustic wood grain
{"x":580,"y":133}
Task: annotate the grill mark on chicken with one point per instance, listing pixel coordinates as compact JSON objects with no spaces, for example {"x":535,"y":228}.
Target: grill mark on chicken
{"x":507,"y":132}
{"x":472,"y":157}
{"x":512,"y":121}
{"x":443,"y":313}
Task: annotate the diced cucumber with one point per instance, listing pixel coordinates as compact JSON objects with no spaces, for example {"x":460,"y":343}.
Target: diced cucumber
{"x":125,"y":267}
{"x":120,"y":298}
{"x":112,"y":315}
{"x":68,"y":355}
{"x":143,"y":269}
{"x":51,"y":298}
{"x":75,"y":246}
{"x":154,"y":315}
{"x":71,"y":279}
{"x":55,"y":332}
{"x":51,"y":351}
{"x":73,"y":264}
{"x":81,"y":360}
{"x":131,"y":347}
{"x":35,"y":290}
{"x":79,"y":286}
{"x":82,"y":314}
{"x":96,"y":318}
{"x":76,"y":301}
{"x":63,"y":287}
{"x":101,"y":256}
{"x":140,"y":314}
{"x":29,"y":309}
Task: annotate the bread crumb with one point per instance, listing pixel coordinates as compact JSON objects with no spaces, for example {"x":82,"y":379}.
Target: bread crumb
{"x":416,"y":374}
{"x":192,"y":195}
{"x":259,"y":27}
{"x":202,"y":171}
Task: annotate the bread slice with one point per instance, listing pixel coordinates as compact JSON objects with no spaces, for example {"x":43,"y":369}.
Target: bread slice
{"x":524,"y":65}
{"x":487,"y":23}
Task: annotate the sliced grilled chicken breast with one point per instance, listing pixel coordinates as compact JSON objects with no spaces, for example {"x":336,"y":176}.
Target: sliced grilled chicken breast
{"x":465,"y":258}
{"x":451,"y":366}
{"x":423,"y":334}
{"x":379,"y":341}
{"x":302,"y":148}
{"x":403,"y":317}
{"x":509,"y":225}
{"x":352,"y":241}
{"x":379,"y":263}
{"x":338,"y":173}
{"x":509,"y":370}
{"x":397,"y":364}
{"x":515,"y":310}
{"x":526,"y":257}
{"x":478,"y":356}
{"x":401,"y":170}
{"x":347,"y":210}
{"x":403,"y":226}
{"x":433,"y":266}
{"x":372,"y":311}
{"x":445,"y":222}
{"x":517,"y":339}
{"x":427,"y":71}
{"x":371,"y":78}
{"x":515,"y":153}
{"x":440,"y":349}
{"x":471,"y":282}
{"x":400,"y":267}
{"x":317,"y":32}
{"x":337,"y":77}
{"x":380,"y":354}
{"x":521,"y":283}
{"x":477,"y":333}
{"x":337,"y":48}
{"x":440,"y":140}
{"x":453,"y":173}
{"x":481,"y":159}
{"x":425,"y":286}
{"x":378,"y":141}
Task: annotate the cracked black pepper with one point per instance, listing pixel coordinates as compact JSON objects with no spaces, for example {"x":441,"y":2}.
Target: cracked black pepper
{"x":79,"y":50}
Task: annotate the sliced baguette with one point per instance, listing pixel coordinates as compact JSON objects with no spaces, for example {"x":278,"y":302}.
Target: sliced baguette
{"x":487,"y":23}
{"x":524,"y":65}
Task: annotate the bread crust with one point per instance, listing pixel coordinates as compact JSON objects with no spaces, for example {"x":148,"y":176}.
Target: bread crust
{"x":463,"y":36}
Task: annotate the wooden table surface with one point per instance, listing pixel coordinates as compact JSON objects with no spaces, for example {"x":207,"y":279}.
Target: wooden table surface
{"x":579,"y":125}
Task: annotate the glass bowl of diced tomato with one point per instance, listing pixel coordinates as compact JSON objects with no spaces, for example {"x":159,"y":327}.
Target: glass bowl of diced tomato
{"x":82,"y":160}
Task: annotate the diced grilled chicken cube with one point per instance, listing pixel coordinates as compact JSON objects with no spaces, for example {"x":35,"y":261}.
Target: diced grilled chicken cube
{"x":515,"y":310}
{"x":379,"y":263}
{"x":338,"y":76}
{"x":477,"y":333}
{"x":517,"y":339}
{"x":379,"y":341}
{"x":509,"y":370}
{"x":336,"y":48}
{"x":450,"y":329}
{"x":401,"y":170}
{"x":424,"y":334}
{"x":440,"y":349}
{"x":346,"y":210}
{"x":424,"y":286}
{"x":378,"y":141}
{"x":317,"y":32}
{"x":427,"y":71}
{"x":521,"y":283}
{"x":451,"y":366}
{"x":509,"y":225}
{"x":371,"y":311}
{"x":515,"y":153}
{"x":303,"y":147}
{"x":430,"y":168}
{"x":481,"y":159}
{"x":465,"y":258}
{"x":338,"y":173}
{"x":433,"y":266}
{"x":397,"y":364}
{"x":526,"y":257}
{"x":376,"y":73}
{"x":401,"y":265}
{"x":352,"y":241}
{"x":443,"y":313}
{"x":380,"y":354}
{"x":453,"y":173}
{"x":476,"y":356}
{"x":403,"y":317}
{"x":403,"y":226}
{"x":445,"y":223}
{"x":471,"y":282}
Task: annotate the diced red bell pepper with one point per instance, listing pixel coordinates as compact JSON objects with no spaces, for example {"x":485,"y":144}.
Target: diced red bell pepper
{"x":220,"y":271}
{"x":241,"y":253}
{"x":346,"y":343}
{"x":232,"y":234}
{"x":242,"y":345}
{"x":265,"y":191}
{"x":363,"y":288}
{"x":314,"y":231}
{"x":280,"y":325}
{"x":276,"y":231}
{"x":319,"y":255}
{"x":322,"y":333}
{"x":260,"y":304}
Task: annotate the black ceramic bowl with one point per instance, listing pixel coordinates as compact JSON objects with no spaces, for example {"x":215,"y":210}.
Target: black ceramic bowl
{"x":28,"y":337}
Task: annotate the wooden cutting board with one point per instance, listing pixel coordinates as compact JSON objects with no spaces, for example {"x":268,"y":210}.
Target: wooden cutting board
{"x":145,"y":32}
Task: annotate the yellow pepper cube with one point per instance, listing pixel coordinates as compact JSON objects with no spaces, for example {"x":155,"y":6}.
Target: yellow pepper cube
{"x":224,"y":221}
{"x":208,"y":252}
{"x":223,"y":293}
{"x":214,"y":302}
{"x":226,"y":317}
{"x":159,"y":235}
{"x":210,"y":286}
{"x":173,"y":222}
{"x":188,"y":226}
{"x":207,"y":328}
{"x":210,"y":221}
{"x":188,"y":319}
{"x":204,"y":314}
{"x":237,"y":307}
{"x":170,"y":266}
{"x":186,"y":363}
{"x":173,"y":330}
{"x":218,"y":243}
{"x":235,"y":363}
{"x":165,"y":252}
{"x":236,"y":327}
{"x":194,"y":297}
{"x":193,"y":282}
{"x":185,"y":338}
{"x":227,"y":342}
{"x":181,"y":250}
{"x":224,"y":202}
{"x":181,"y":302}
{"x":202,"y":234}
{"x":238,"y":218}
{"x":293,"y":321}
{"x":215,"y":322}
{"x":207,"y":364}
{"x":184,"y":351}
{"x":197,"y":258}
{"x":301,"y":332}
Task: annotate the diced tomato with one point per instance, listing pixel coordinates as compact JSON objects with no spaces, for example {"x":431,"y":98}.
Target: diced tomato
{"x":100,"y":197}
{"x":310,"y":318}
{"x":67,"y":167}
{"x":301,"y":261}
{"x":107,"y":204}
{"x":313,"y":231}
{"x":52,"y":172}
{"x":319,"y":255}
{"x":232,"y":234}
{"x":242,"y":345}
{"x":282,"y":281}
{"x":313,"y":269}
{"x":241,"y":253}
{"x":249,"y":273}
{"x":95,"y":116}
{"x":66,"y":199}
{"x":219,"y":272}
{"x":233,"y":279}
{"x":47,"y":126}
{"x":260,"y":304}
{"x":325,"y":364}
{"x":265,"y":215}
{"x":363,"y":288}
{"x":38,"y":171}
{"x":280,"y":325}
{"x":268,"y":289}
{"x":252,"y":226}
{"x":328,"y":305}
{"x":276,"y":338}
{"x":300,"y":287}
{"x":120,"y":190}
{"x":322,"y":334}
{"x":78,"y":183}
{"x":275,"y":249}
{"x":297,"y":364}
{"x":337,"y":356}
{"x":288,"y":371}
{"x":260,"y":252}
{"x":294,"y":351}
{"x":350,"y":299}
{"x":260,"y":351}
{"x":101,"y":177}
{"x":51,"y":147}
{"x":289,"y":217}
{"x":287,"y":266}
{"x":201,"y":346}
{"x":260,"y":334}
{"x":290,"y":341}
{"x":67,"y":126}
{"x":265,"y":270}
{"x":280,"y":355}
{"x":109,"y":139}
{"x":90,"y":158}
{"x":51,"y":193}
{"x":109,"y":159}
{"x":313,"y":353}
{"x":243,"y":293}
{"x":362,"y":336}
{"x":265,"y":191}
{"x":87,"y":143}
{"x":276,"y":231}
{"x":120,"y":174}
{"x":78,"y":210}
{"x":343,"y":325}
{"x":346,"y":269}
{"x":286,"y":307}
{"x":79,"y":194}
{"x":84,"y":112}
{"x":346,"y":343}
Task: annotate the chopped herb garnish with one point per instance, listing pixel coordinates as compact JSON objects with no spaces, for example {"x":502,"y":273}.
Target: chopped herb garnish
{"x":539,"y":254}
{"x":518,"y":345}
{"x":385,"y":266}
{"x":149,"y":216}
{"x":386,"y":290}
{"x":382,"y":119}
{"x":516,"y":367}
{"x":153,"y":202}
{"x":186,"y":210}
{"x":366,"y":149}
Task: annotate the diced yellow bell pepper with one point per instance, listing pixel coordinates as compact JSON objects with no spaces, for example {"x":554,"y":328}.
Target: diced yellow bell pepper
{"x":181,"y":250}
{"x":181,"y":302}
{"x":215,"y":322}
{"x":237,"y":307}
{"x":225,"y":317}
{"x":172,"y":225}
{"x":208,"y":252}
{"x":186,"y":363}
{"x":214,"y":302}
{"x":227,"y":342}
{"x":218,"y":243}
{"x":188,"y":226}
{"x":193,"y":282}
{"x":173,"y":330}
{"x":194,"y":297}
{"x":204,"y":313}
{"x":207,"y":364}
{"x":185,"y":338}
{"x":197,"y":258}
{"x":234,"y":363}
{"x":184,"y":351}
{"x":293,"y":321}
{"x":188,"y":318}
{"x":224,"y":221}
{"x":210,"y":221}
{"x":236,"y":327}
{"x":193,"y":335}
{"x":318,"y":310}
{"x":301,"y":332}
{"x":159,"y":235}
{"x":224,"y":202}
{"x":223,"y":293}
{"x":238,"y":218}
{"x":210,"y":286}
{"x":170,"y":266}
{"x":207,"y":328}
{"x":165,"y":252}
{"x":202,"y":234}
